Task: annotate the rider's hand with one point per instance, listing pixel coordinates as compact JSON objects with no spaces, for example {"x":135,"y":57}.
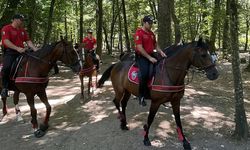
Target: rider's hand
{"x":163,"y":54}
{"x":152,"y":59}
{"x":21,"y":50}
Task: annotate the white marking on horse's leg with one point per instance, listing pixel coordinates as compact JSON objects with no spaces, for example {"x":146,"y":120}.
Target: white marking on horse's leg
{"x":18,"y":114}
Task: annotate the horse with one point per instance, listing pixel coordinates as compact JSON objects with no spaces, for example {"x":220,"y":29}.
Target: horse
{"x":31,"y":78}
{"x":167,"y":85}
{"x":88,"y":69}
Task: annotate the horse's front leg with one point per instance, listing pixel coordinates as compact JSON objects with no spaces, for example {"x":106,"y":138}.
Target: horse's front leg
{"x":5,"y":111}
{"x":176,"y":110}
{"x":17,"y":109}
{"x":82,"y":86}
{"x":90,"y":85}
{"x":43,"y":127}
{"x":153,"y":110}
{"x":33,"y":112}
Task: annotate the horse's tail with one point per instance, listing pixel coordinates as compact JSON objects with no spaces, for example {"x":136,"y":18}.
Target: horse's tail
{"x":105,"y":76}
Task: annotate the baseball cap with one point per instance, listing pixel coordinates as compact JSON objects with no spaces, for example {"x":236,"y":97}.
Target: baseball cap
{"x":89,"y":31}
{"x":18,"y":16}
{"x":148,"y":19}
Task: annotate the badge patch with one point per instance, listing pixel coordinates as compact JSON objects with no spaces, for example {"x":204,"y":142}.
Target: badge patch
{"x":137,"y":37}
{"x":3,"y":33}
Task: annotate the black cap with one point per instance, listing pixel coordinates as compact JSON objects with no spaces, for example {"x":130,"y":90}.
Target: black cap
{"x":18,"y":16}
{"x":148,"y":19}
{"x":89,"y":31}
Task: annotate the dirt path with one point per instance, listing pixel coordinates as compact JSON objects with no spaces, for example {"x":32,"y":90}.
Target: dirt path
{"x":207,"y":112}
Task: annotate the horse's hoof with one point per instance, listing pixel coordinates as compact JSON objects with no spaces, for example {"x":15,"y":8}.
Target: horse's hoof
{"x":186,"y":145}
{"x":124,"y":127}
{"x":43,"y":127}
{"x":39,"y":133}
{"x":147,"y":142}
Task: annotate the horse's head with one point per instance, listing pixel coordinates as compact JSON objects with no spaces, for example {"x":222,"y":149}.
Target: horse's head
{"x":201,"y":59}
{"x":69,"y":55}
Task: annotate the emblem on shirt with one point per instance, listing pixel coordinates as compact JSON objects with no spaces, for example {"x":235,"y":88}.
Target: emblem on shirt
{"x":22,"y":33}
{"x":3,"y":33}
{"x":137,"y":37}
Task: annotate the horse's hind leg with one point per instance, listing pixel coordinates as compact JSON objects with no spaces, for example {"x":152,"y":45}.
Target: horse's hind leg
{"x":122,"y":114}
{"x":17,"y":109}
{"x":176,"y":110}
{"x":43,"y":97}
{"x":33,"y":111}
{"x":124,"y":103}
{"x":153,"y":110}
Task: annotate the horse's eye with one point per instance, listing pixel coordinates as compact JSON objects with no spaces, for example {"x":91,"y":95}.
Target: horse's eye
{"x":204,"y":55}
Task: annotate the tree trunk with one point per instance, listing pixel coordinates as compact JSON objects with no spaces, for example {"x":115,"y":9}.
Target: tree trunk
{"x":241,"y":127}
{"x":31,"y":15}
{"x":125,"y":26}
{"x":215,"y":23}
{"x":152,"y":5}
{"x":65,"y":25}
{"x":164,"y":25}
{"x":120,"y":43}
{"x":190,"y":24}
{"x":99,"y":28}
{"x":49,"y":27}
{"x":225,"y":36}
{"x":247,"y":30}
{"x":177,"y":30}
{"x":81,"y":21}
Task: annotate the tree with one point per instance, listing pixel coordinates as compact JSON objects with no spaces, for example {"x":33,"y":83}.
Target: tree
{"x":99,"y":27}
{"x":49,"y":27}
{"x":164,"y":24}
{"x":241,"y":127}
{"x":215,"y":25}
{"x":125,"y":26}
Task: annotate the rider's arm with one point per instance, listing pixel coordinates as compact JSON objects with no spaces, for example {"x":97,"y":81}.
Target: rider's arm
{"x":145,"y":54}
{"x":31,"y":45}
{"x":9,"y":44}
{"x":159,"y":50}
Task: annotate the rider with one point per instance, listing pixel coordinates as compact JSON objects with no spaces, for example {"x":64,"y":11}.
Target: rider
{"x":90,"y":46}
{"x":13,"y":37}
{"x":145,"y":44}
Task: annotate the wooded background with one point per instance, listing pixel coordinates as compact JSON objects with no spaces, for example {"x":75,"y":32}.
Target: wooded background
{"x":224,"y":23}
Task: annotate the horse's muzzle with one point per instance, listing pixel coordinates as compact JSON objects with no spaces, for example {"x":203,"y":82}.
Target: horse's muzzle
{"x":212,"y":73}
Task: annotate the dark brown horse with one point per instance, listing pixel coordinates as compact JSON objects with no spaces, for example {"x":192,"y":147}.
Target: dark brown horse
{"x":168,"y":83}
{"x":88,"y":69}
{"x":31,"y":78}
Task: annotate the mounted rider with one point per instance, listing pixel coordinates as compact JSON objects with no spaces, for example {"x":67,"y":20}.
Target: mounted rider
{"x":90,"y":46}
{"x":145,"y":44}
{"x":13,"y":38}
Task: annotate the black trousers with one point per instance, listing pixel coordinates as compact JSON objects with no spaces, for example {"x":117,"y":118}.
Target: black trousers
{"x":9,"y":57}
{"x":144,"y":74}
{"x":95,"y":60}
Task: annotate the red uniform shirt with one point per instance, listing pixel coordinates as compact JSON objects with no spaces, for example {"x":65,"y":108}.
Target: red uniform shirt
{"x":16,"y":36}
{"x":89,"y":43}
{"x":146,"y":39}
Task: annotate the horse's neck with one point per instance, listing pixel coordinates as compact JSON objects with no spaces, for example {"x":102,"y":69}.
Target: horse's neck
{"x":173,"y":70}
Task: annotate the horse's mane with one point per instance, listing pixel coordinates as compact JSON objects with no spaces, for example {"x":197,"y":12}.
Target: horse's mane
{"x":44,"y":50}
{"x":175,"y":49}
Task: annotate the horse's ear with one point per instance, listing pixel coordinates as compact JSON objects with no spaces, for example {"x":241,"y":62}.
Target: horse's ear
{"x":199,"y":43}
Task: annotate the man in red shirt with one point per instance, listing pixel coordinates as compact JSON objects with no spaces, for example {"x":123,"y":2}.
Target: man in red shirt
{"x":13,"y":37}
{"x":145,"y":44}
{"x":90,"y":46}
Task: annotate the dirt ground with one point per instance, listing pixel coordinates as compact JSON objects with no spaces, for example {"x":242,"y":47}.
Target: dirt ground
{"x":207,"y":113}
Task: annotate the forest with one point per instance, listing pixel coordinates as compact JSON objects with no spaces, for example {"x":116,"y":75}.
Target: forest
{"x":225,"y":24}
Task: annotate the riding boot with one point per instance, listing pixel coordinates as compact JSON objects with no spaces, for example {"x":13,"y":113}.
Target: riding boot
{"x":4,"y":93}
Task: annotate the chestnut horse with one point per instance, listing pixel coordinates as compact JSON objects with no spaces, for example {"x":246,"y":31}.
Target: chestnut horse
{"x":168,"y":83}
{"x":88,"y":69}
{"x":31,"y":78}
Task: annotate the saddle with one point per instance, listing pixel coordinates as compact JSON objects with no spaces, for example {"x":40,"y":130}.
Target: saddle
{"x":16,"y":66}
{"x":134,"y":74}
